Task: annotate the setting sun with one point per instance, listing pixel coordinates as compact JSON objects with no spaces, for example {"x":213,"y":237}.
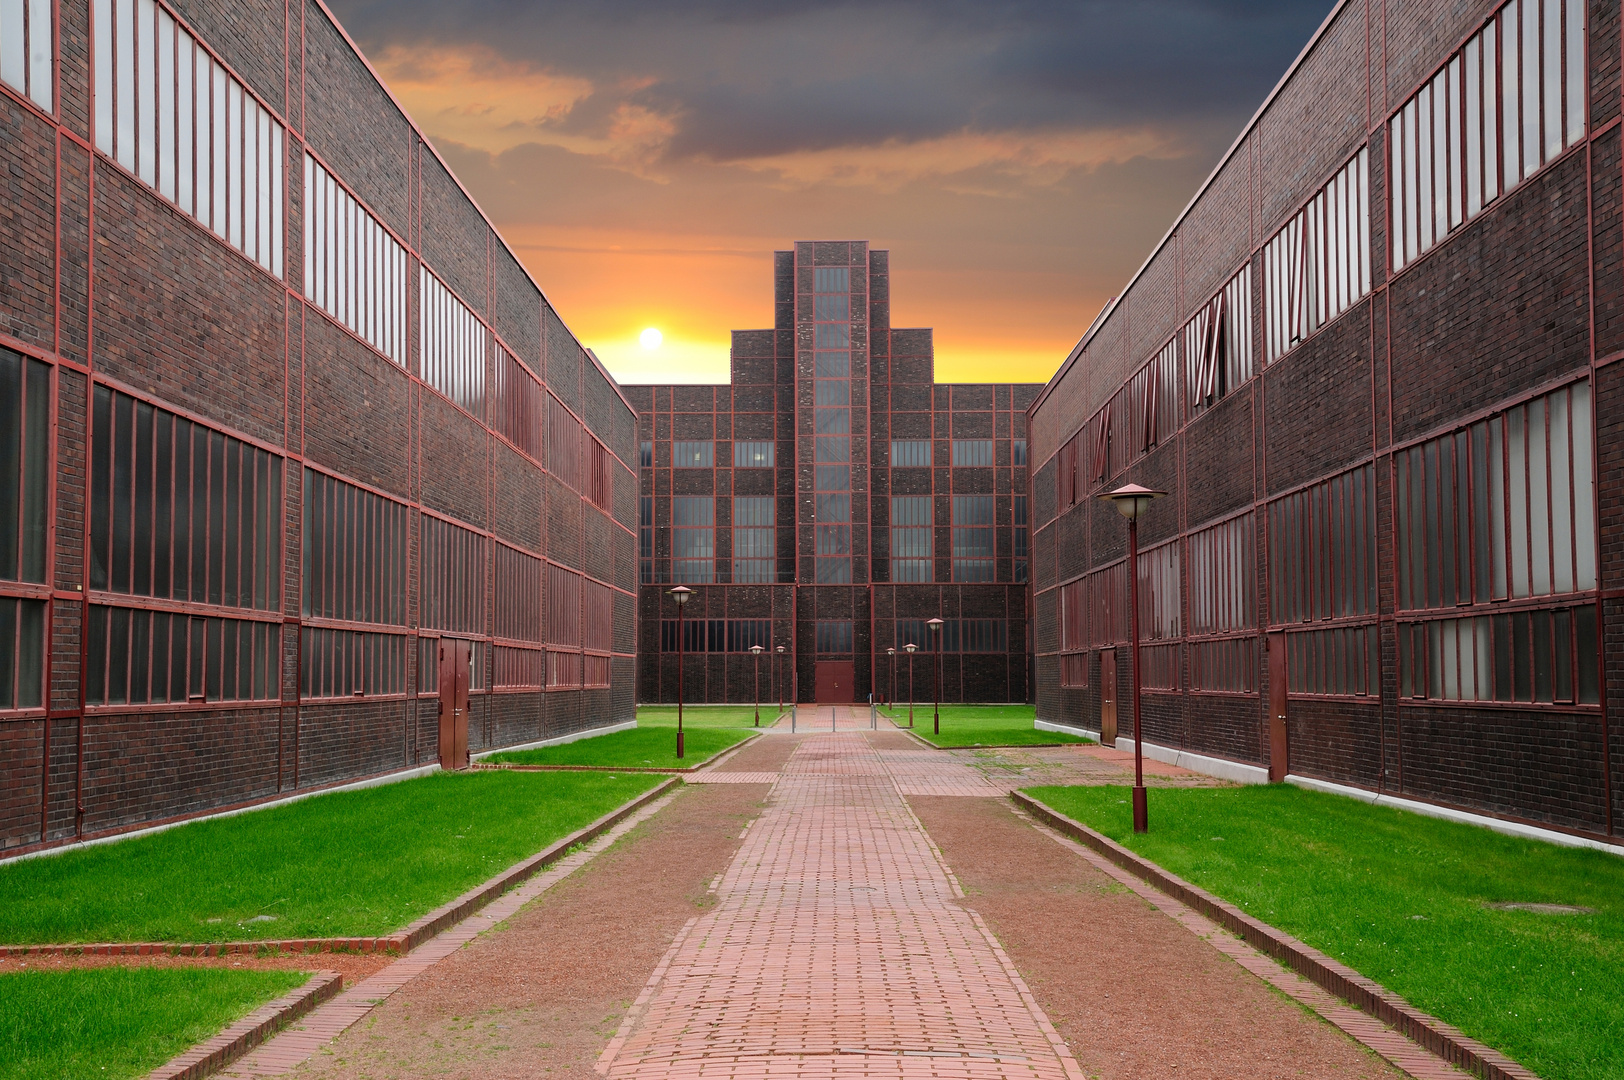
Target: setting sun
{"x":651,"y":338}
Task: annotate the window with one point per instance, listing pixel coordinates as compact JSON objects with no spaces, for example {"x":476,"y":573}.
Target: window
{"x":564,"y":626}
{"x":1510,"y":100}
{"x":645,"y":538}
{"x":1150,"y":403}
{"x":1017,"y":451}
{"x":1530,"y":656}
{"x":834,"y":637}
{"x":22,"y":652}
{"x":1105,"y":592}
{"x":833,"y":336}
{"x":693,"y":539}
{"x":1073,"y":634}
{"x":1018,"y":507}
{"x":563,"y":444}
{"x":646,"y":456}
{"x":515,"y":668}
{"x":832,"y":365}
{"x":693,"y":455}
{"x":911,"y":543}
{"x":832,"y":279}
{"x":337,"y":663}
{"x":517,"y":594}
{"x":1340,"y":661}
{"x":1218,"y":343}
{"x":1159,"y":608}
{"x":172,"y":115}
{"x":831,"y":421}
{"x":1223,"y":569}
{"x":353,"y":268}
{"x":600,"y":476}
{"x":754,"y":544}
{"x":1322,"y":550}
{"x":136,"y":656}
{"x":973,"y":537}
{"x":752,"y":455}
{"x":518,"y":405}
{"x":25,"y":430}
{"x":1066,"y":479}
{"x":452,"y":345}
{"x":717,"y":635}
{"x":969,"y":452}
{"x":452,"y":577}
{"x":1074,"y":670}
{"x":908,"y":453}
{"x":25,"y":48}
{"x":832,"y":516}
{"x":1502,"y":510}
{"x":957,"y":635}
{"x":1224,"y":665}
{"x":354,"y":553}
{"x":1318,"y":264}
{"x":1159,"y":666}
{"x":598,"y":637}
{"x":179,"y":512}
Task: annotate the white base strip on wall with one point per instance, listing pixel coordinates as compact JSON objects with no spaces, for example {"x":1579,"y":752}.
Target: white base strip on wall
{"x":1465,"y":817}
{"x":589,"y":733}
{"x":1222,"y":768}
{"x":1065,"y":729}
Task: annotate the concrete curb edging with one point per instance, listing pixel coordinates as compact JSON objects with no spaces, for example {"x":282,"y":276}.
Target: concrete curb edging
{"x":402,"y":941}
{"x":214,"y":1054}
{"x":589,"y":733}
{"x":1067,"y":729}
{"x":507,"y":766}
{"x":1444,"y":1040}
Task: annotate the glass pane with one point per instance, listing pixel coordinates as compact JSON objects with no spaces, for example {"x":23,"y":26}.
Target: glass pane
{"x":1585,"y":648}
{"x":141,"y":514}
{"x":11,"y":459}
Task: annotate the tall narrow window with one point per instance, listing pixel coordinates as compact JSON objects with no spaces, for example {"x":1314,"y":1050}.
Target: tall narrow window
{"x":452,"y":343}
{"x":451,"y":572}
{"x":517,"y":595}
{"x":832,"y":515}
{"x":1073,"y":634}
{"x":353,"y":267}
{"x":754,"y":551}
{"x":911,"y":546}
{"x":693,"y":539}
{"x":645,"y":538}
{"x":834,"y":637}
{"x":354,"y":554}
{"x":973,"y":533}
{"x":564,"y":625}
{"x":1318,"y":264}
{"x":25,"y":424}
{"x":1018,"y":517}
{"x":154,"y":82}
{"x":518,"y":405}
{"x":1221,"y":562}
{"x":563,"y":444}
{"x":26,"y":48}
{"x":1322,"y":545}
{"x":597,"y":636}
{"x":1218,"y":343}
{"x":1017,"y":452}
{"x":1159,"y":586}
{"x":600,"y":476}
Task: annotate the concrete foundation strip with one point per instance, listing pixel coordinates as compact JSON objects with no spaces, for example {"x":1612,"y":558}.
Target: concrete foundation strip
{"x":688,"y":770}
{"x":1369,"y":997}
{"x":401,"y":942}
{"x":214,"y":1054}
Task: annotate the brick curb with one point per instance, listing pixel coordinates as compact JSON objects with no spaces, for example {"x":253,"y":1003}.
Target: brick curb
{"x":402,"y":941}
{"x":683,"y":771}
{"x":214,"y":1054}
{"x":1432,"y":1034}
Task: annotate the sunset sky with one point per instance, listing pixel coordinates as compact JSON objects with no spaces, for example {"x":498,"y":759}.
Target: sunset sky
{"x":645,"y":157}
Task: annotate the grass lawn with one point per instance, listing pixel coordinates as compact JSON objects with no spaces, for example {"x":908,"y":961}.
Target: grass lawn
{"x":706,"y":716}
{"x":1402,"y":898}
{"x":350,"y":864}
{"x":980,"y":725}
{"x":644,"y":748}
{"x":118,"y":1022}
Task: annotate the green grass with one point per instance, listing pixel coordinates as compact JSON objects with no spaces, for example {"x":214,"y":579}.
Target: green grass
{"x":644,"y":748}
{"x":706,"y":716}
{"x":1400,"y":897}
{"x":118,"y":1022}
{"x":350,"y":864}
{"x":979,"y":725}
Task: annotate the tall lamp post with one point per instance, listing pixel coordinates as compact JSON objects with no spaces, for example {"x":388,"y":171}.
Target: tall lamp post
{"x":1131,"y":502}
{"x":910,"y":647}
{"x":891,"y":655}
{"x":756,"y":651}
{"x":936,"y":644}
{"x":778,"y":681}
{"x":680,"y":594}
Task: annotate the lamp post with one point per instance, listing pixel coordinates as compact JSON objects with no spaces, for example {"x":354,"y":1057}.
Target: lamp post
{"x":1131,"y":502}
{"x":756,"y":651}
{"x":936,"y":644}
{"x":778,"y":681}
{"x":680,"y":594}
{"x":891,"y":655}
{"x":910,"y":647}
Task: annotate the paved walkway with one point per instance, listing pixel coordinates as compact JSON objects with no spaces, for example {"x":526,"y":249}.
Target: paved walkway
{"x":836,"y":947}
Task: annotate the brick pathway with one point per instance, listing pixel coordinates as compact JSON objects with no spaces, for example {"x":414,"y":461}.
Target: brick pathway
{"x":836,"y":948}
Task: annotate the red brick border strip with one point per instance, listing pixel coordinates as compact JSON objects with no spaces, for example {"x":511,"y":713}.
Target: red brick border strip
{"x":214,"y":1054}
{"x":684,"y":771}
{"x":1444,"y":1040}
{"x":402,"y":941}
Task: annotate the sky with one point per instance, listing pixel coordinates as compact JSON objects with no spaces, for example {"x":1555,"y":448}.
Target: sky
{"x":645,"y":158}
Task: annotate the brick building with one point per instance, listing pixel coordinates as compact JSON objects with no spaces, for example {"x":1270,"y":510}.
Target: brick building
{"x":1374,"y":363}
{"x":830,"y":499}
{"x":278,"y":408}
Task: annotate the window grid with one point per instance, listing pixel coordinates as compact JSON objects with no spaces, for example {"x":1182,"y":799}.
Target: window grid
{"x":354,"y":553}
{"x":1159,"y":587}
{"x":1223,"y":573}
{"x":972,"y":453}
{"x":1322,"y":543}
{"x":910,"y":453}
{"x":600,"y":487}
{"x":518,"y":594}
{"x":833,"y":637}
{"x":169,"y":113}
{"x":564,"y":625}
{"x":136,"y":656}
{"x":25,"y":446}
{"x":1218,"y":343}
{"x":645,"y":538}
{"x":353,"y":268}
{"x":974,"y":538}
{"x":693,"y":455}
{"x":716,"y":635}
{"x":1019,"y":530}
{"x":452,"y":576}
{"x":26,"y":50}
{"x":1318,"y":264}
{"x":693,"y":539}
{"x":452,"y":344}
{"x":518,"y":406}
{"x":957,"y":635}
{"x":339,"y":663}
{"x":1541,"y":655}
{"x":1225,"y":665}
{"x":1338,"y":661}
{"x":564,"y":434}
{"x":22,"y":652}
{"x":753,"y":455}
{"x":912,"y":546}
{"x":754,"y":541}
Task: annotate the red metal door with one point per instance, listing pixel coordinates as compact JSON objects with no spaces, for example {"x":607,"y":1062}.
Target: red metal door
{"x":835,"y":679}
{"x":455,"y":666}
{"x":1108,"y":693}
{"x":1279,"y":747}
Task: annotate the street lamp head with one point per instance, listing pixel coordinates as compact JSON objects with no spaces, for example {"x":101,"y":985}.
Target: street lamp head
{"x":934,"y":624}
{"x":757,"y":649}
{"x":910,"y":647}
{"x":780,"y":650}
{"x":681,"y":594}
{"x":890,"y":652}
{"x":1132,"y":500}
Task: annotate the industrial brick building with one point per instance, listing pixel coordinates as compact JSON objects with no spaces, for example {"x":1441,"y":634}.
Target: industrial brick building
{"x":1374,"y":362}
{"x":831,"y":499}
{"x":277,"y":406}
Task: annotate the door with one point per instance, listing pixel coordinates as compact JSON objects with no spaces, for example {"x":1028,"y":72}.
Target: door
{"x":1279,"y":747}
{"x":835,"y":679}
{"x":1108,"y":694}
{"x":455,"y":666}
